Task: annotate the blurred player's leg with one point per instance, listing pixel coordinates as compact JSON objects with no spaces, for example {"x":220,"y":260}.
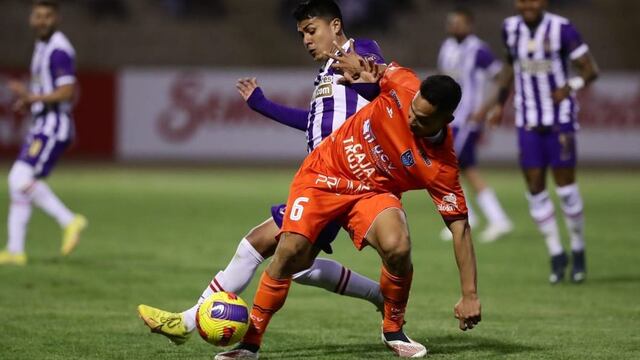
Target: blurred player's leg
{"x":72,"y":224}
{"x":543,"y":213}
{"x":498,"y":223}
{"x":20,"y":178}
{"x":572,"y":208}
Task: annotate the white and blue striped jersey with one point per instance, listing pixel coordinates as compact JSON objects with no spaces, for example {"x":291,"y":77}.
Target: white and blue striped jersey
{"x":52,"y":66}
{"x":333,"y":103}
{"x":541,"y":59}
{"x":472,"y":64}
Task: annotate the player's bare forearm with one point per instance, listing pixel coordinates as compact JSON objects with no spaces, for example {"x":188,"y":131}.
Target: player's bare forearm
{"x":496,"y":105}
{"x":465,"y":257}
{"x":61,"y":94}
{"x":587,"y":68}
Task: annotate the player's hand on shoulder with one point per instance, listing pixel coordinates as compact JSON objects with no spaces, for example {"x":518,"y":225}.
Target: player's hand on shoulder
{"x":246,"y":86}
{"x":467,"y":311}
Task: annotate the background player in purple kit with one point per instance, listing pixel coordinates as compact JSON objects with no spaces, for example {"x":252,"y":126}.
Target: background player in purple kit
{"x":471,"y":63}
{"x":320,"y":25}
{"x":540,"y":46}
{"x":49,"y":99}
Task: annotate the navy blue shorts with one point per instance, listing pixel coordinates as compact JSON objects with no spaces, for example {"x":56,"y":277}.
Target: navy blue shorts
{"x":547,"y":147}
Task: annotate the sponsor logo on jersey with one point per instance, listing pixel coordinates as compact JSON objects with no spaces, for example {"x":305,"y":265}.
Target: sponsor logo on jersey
{"x":424,"y":157}
{"x":323,"y":90}
{"x":382,"y":160}
{"x":390,"y":112}
{"x":449,"y":203}
{"x":407,"y":158}
{"x":367,"y":132}
{"x":536,"y":66}
{"x":395,"y":97}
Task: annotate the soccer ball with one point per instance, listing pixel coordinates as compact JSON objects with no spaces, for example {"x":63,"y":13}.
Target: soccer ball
{"x":222,"y":319}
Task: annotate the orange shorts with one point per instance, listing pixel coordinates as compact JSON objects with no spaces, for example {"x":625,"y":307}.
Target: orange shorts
{"x":312,"y":204}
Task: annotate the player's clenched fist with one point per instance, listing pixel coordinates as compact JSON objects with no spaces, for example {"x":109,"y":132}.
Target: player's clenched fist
{"x":246,"y":86}
{"x":467,"y":311}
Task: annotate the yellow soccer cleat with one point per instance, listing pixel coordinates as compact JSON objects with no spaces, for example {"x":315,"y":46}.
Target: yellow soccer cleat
{"x":7,"y":258}
{"x":165,"y":323}
{"x":71,"y":235}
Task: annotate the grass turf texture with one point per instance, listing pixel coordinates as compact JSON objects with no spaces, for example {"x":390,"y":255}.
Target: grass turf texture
{"x":157,"y":236}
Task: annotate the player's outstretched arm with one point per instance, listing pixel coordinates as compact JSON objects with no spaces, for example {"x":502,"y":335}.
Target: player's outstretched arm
{"x":25,"y":98}
{"x":467,"y":310}
{"x":250,"y":91}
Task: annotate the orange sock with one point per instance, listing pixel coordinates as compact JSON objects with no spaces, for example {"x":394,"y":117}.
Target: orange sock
{"x":269,"y":298}
{"x":395,"y":290}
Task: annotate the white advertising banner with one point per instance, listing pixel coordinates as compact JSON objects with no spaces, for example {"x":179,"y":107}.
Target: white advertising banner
{"x":197,"y":114}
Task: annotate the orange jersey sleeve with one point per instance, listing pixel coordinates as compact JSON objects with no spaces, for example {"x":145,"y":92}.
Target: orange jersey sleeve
{"x":446,"y":192}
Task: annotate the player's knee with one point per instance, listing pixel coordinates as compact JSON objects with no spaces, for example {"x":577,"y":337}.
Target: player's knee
{"x":397,"y":249}
{"x":20,"y":177}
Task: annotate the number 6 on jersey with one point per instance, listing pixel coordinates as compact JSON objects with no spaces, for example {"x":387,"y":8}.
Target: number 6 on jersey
{"x":298,"y":208}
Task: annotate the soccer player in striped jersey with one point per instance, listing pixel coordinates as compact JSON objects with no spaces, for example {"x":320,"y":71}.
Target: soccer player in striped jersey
{"x":320,"y":25}
{"x":540,"y":48}
{"x":49,"y":99}
{"x":471,"y":63}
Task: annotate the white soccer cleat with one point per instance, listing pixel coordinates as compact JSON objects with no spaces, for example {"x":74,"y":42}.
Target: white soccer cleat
{"x":411,"y":349}
{"x":445,"y":234}
{"x":236,"y":354}
{"x":494,"y":231}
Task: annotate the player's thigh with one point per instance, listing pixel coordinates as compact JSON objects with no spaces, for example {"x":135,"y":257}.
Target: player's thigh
{"x":535,"y":178}
{"x":564,"y":176}
{"x":263,"y":237}
{"x":365,"y":217}
{"x":563,"y":150}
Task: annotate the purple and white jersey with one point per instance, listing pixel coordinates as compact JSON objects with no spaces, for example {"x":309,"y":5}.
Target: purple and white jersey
{"x":52,"y":66}
{"x":471,"y":63}
{"x":541,"y":65}
{"x":333,"y":103}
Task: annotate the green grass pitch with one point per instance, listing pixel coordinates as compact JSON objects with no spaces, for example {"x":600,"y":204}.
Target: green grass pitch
{"x":157,"y":236}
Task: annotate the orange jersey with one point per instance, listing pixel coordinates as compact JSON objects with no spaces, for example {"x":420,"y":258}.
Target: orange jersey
{"x":374,"y":151}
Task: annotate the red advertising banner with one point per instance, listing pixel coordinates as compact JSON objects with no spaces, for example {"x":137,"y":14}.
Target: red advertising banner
{"x":94,"y":116}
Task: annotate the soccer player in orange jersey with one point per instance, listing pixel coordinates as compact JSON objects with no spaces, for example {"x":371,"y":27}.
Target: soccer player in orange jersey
{"x":399,"y":142}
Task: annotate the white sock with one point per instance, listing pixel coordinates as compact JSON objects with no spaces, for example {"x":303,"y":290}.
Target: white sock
{"x":332,"y":276}
{"x":234,"y":278}
{"x":45,"y":199}
{"x":490,"y":207}
{"x":542,"y":211}
{"x":571,"y":204}
{"x":18,"y":219}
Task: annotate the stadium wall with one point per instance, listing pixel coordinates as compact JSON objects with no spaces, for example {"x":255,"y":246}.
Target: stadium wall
{"x":196,"y":115}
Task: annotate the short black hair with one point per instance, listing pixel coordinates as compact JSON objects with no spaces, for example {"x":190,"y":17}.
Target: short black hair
{"x":464,"y":11}
{"x":326,"y":9}
{"x":442,"y":92}
{"x":48,"y":3}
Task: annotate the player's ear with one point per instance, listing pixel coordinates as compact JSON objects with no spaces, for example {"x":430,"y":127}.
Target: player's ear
{"x":336,"y":26}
